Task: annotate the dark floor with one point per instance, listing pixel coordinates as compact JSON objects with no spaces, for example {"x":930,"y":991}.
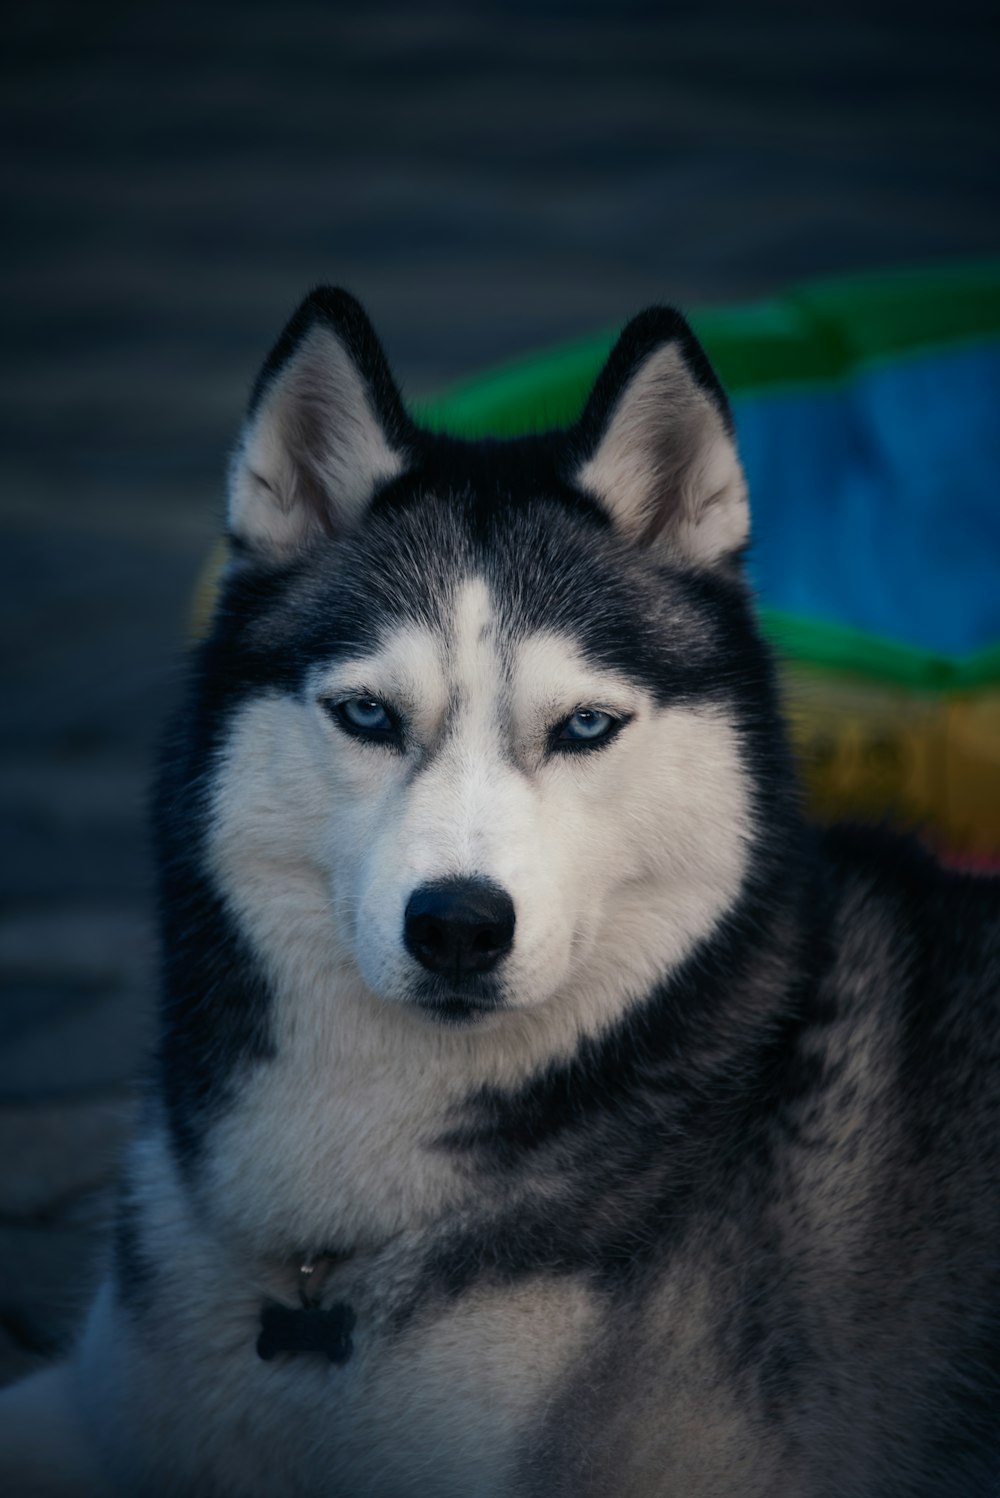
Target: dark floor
{"x":488,"y":179}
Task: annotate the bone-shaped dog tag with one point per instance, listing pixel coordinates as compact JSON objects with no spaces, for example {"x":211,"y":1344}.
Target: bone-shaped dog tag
{"x":306,"y":1329}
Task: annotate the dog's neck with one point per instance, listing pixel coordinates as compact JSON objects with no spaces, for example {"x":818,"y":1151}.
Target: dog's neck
{"x":341,"y":1134}
{"x":339,"y":1139}
{"x":358,"y":1128}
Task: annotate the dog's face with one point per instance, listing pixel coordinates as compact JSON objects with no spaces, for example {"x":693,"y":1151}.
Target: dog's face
{"x":486,"y":747}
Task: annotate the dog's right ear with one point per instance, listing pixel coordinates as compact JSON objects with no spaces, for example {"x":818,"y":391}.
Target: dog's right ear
{"x":325,"y":428}
{"x":655,"y":445}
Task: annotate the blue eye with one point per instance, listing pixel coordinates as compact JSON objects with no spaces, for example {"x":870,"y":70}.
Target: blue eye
{"x":367,"y":718}
{"x":366,"y":712}
{"x":587,"y":728}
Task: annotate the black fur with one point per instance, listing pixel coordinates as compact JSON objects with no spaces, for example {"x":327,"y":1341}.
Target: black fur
{"x":134,"y":1270}
{"x":337,"y":310}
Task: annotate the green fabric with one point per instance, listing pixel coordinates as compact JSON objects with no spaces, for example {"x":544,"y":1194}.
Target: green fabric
{"x":819,"y":333}
{"x":817,"y":643}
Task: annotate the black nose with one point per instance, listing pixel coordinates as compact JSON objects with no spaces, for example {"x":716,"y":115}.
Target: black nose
{"x":459,"y":925}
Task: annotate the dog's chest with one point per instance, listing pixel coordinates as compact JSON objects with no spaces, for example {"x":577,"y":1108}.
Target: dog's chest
{"x":447,"y":1402}
{"x":323,"y":1151}
{"x":451,"y":1403}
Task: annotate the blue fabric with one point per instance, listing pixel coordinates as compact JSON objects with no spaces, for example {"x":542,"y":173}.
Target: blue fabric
{"x":876,"y":503}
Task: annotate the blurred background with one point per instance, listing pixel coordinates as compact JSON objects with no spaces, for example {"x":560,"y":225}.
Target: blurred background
{"x":488,"y":179}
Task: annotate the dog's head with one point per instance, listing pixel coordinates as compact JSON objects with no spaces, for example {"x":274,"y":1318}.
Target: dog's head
{"x":483,"y":713}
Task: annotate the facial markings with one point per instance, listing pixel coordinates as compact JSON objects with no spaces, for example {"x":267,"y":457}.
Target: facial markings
{"x":551,"y":682}
{"x":476,"y":677}
{"x":468,"y":688}
{"x":578,"y":840}
{"x":407,"y":674}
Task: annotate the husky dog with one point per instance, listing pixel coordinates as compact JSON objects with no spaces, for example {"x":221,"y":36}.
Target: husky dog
{"x":541,"y":1107}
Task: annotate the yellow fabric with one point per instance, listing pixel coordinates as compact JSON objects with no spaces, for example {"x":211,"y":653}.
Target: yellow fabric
{"x":870,"y":751}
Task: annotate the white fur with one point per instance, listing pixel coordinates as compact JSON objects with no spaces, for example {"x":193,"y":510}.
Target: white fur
{"x":667,"y":469}
{"x":617,"y":863}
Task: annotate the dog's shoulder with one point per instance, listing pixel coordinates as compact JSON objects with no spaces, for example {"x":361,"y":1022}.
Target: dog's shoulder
{"x":936,"y":929}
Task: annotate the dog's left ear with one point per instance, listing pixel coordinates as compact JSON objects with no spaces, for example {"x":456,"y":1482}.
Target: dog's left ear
{"x":325,"y":428}
{"x":655,"y":444}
